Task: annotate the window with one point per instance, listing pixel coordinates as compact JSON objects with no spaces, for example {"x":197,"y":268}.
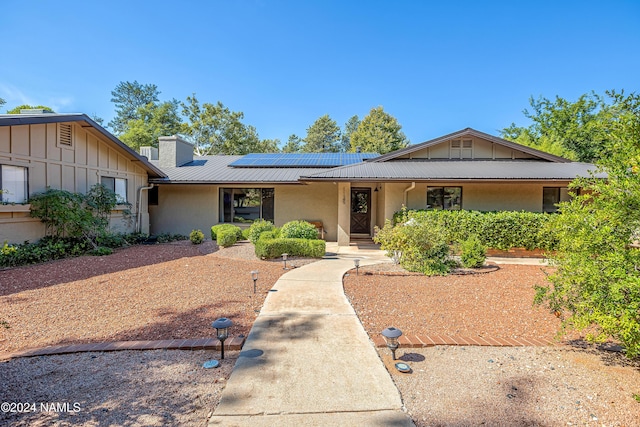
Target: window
{"x":447,"y":198}
{"x":117,"y":185}
{"x":551,"y":196}
{"x":246,"y":204}
{"x":13,"y":183}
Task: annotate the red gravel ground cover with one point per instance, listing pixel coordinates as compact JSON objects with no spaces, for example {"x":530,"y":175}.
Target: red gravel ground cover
{"x":153,"y":292}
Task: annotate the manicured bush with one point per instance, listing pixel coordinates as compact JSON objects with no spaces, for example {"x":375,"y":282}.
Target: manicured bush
{"x":498,"y":230}
{"x":226,"y":237}
{"x":299,"y":230}
{"x":258,"y":227}
{"x":196,"y":237}
{"x":472,"y":252}
{"x":245,"y":234}
{"x":217,"y":228}
{"x":274,"y":248}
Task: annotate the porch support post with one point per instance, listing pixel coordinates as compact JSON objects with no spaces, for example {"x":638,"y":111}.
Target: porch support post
{"x":344,"y":213}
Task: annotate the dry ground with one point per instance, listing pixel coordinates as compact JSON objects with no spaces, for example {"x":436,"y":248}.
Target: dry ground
{"x":176,"y":290}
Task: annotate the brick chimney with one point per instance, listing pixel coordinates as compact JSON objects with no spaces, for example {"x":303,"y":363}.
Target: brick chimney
{"x":174,"y":151}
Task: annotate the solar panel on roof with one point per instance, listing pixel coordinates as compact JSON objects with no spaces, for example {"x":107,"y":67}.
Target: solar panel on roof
{"x":326,"y":160}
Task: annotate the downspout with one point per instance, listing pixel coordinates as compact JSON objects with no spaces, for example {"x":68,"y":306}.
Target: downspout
{"x":139,"y":219}
{"x":406,"y":192}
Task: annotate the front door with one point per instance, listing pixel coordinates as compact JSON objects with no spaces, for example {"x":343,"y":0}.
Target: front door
{"x":361,"y":210}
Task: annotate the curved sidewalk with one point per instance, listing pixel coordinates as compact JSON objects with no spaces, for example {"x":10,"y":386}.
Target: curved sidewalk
{"x":308,"y":360}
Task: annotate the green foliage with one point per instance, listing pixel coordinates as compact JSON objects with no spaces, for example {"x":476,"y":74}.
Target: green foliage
{"x":215,"y":129}
{"x":299,"y":230}
{"x":101,"y":251}
{"x":217,"y":228}
{"x":2,"y":102}
{"x":422,"y":246}
{"x":271,"y":234}
{"x":580,"y":130}
{"x":245,"y":234}
{"x":168,"y":237}
{"x":46,"y":249}
{"x":293,"y":145}
{"x":128,"y":98}
{"x":75,"y":215}
{"x":196,"y":237}
{"x":267,"y":247}
{"x":322,"y":136}
{"x":379,"y":132}
{"x":497,"y":230}
{"x":349,"y":128}
{"x":257,"y":228}
{"x":226,"y":237}
{"x":596,"y":285}
{"x":17,"y":109}
{"x":472,"y":252}
{"x":152,"y":121}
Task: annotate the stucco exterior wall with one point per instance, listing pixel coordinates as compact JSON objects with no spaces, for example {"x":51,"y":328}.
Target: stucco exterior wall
{"x":73,"y":168}
{"x":312,"y":202}
{"x":182,"y":208}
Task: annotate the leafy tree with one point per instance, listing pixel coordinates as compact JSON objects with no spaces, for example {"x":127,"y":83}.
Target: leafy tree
{"x":379,"y":132}
{"x":294,"y":144}
{"x":129,"y":97}
{"x":575,"y":130}
{"x":596,"y":286}
{"x":215,"y":129}
{"x":322,"y":136}
{"x":17,"y":109}
{"x":349,"y":128}
{"x":152,"y":122}
{"x":2,"y":102}
{"x":97,"y":119}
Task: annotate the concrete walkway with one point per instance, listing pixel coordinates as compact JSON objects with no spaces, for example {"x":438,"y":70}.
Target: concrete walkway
{"x":308,"y":360}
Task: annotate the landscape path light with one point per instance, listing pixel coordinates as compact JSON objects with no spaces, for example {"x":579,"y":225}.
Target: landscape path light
{"x":284,"y":258}
{"x":254,"y":276}
{"x":391,"y":336}
{"x":356,"y":262}
{"x":222,"y":326}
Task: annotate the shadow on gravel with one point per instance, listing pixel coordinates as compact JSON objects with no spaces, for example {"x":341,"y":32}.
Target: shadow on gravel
{"x":611,"y":354}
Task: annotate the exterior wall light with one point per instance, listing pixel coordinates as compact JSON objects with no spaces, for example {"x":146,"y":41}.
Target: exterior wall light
{"x":391,"y":336}
{"x":222,"y":326}
{"x":254,"y":276}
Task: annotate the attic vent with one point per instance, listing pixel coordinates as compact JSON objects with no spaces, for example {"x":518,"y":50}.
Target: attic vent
{"x":455,"y":143}
{"x":467,"y":143}
{"x":64,"y":134}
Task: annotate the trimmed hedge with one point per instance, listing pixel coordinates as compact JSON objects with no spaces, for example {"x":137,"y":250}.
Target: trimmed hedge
{"x":217,"y":228}
{"x":196,"y":237}
{"x":497,"y":230}
{"x":227,"y":237}
{"x":267,"y":247}
{"x":299,"y":230}
{"x":257,"y":228}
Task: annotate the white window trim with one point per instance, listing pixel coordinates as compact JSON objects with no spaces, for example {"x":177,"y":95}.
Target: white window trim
{"x":121,"y":200}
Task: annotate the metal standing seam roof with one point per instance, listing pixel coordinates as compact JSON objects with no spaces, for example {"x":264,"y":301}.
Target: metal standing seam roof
{"x":416,"y":170}
{"x":215,"y":169}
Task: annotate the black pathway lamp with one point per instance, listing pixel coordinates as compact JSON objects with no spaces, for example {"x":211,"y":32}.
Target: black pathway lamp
{"x":284,"y":259}
{"x":222,"y":326}
{"x":391,"y":336}
{"x":356,"y":262}
{"x":254,"y":276}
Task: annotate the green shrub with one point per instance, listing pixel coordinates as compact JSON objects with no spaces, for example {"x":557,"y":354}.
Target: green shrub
{"x":168,"y":237}
{"x":111,"y":240}
{"x":245,"y":234}
{"x":100,"y":251}
{"x":472,"y":252}
{"x":299,"y":230}
{"x":217,"y":228}
{"x":196,"y":237}
{"x":272,"y":234}
{"x":423,"y":247}
{"x":258,"y":227}
{"x":226,"y":237}
{"x":46,"y":249}
{"x":273,"y":248}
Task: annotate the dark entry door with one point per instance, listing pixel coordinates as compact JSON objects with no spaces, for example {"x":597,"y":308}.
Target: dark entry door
{"x":360,"y":210}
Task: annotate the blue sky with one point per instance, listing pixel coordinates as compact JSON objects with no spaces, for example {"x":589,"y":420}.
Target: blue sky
{"x":437,"y":67}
